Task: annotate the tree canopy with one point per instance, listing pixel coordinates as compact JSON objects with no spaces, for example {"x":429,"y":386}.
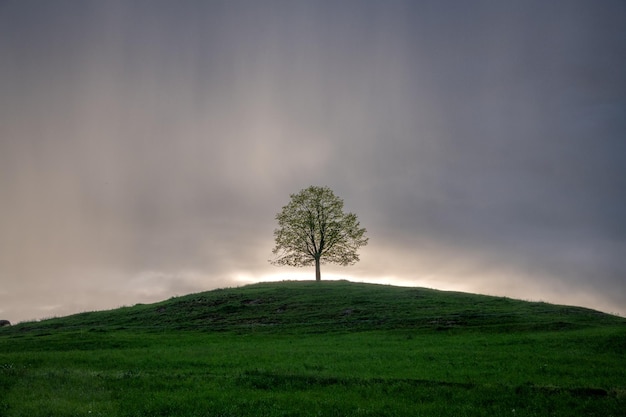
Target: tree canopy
{"x":313,"y":229}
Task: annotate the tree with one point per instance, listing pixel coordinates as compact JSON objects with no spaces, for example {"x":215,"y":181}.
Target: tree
{"x":313,"y":229}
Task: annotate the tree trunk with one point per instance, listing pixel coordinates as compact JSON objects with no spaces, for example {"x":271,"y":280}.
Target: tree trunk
{"x":318,"y":276}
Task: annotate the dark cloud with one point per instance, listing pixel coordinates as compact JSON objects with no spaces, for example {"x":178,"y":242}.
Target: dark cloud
{"x":145,"y":147}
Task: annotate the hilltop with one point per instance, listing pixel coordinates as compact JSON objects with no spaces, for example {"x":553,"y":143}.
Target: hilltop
{"x":308,"y":306}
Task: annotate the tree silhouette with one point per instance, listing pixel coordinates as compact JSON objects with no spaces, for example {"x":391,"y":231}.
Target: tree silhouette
{"x":313,"y":229}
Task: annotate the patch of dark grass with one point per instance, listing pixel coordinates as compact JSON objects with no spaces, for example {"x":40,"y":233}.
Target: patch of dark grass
{"x":331,"y":307}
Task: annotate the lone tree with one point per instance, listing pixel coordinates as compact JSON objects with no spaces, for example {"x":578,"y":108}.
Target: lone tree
{"x":313,"y":229}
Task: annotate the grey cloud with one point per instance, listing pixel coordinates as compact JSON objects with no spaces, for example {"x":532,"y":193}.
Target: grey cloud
{"x":144,"y":151}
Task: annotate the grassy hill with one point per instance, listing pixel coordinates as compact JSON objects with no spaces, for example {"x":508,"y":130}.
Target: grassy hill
{"x":318,"y":349}
{"x":309,"y":306}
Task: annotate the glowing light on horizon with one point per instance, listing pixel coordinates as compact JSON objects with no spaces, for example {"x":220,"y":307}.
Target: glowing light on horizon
{"x":246,"y":278}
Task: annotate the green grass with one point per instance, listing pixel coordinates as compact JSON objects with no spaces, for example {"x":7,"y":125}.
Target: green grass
{"x":318,"y":349}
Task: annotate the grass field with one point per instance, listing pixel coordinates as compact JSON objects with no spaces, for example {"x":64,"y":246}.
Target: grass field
{"x":318,"y":349}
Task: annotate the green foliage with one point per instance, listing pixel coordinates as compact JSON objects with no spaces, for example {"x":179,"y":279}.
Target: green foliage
{"x":313,"y":229}
{"x":318,"y":349}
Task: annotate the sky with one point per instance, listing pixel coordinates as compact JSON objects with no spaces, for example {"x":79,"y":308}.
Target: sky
{"x":146,"y":146}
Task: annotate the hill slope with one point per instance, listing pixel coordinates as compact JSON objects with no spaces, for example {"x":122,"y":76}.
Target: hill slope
{"x":318,"y":349}
{"x":304,"y":306}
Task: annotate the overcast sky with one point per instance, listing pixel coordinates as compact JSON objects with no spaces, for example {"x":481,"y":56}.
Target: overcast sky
{"x":146,"y":146}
